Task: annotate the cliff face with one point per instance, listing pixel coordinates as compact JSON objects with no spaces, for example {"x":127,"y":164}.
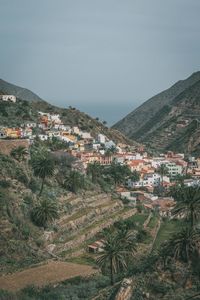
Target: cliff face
{"x":169,"y":120}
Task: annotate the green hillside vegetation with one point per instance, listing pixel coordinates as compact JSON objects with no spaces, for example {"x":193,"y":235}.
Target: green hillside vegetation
{"x":15,"y":114}
{"x":167,"y":121}
{"x":36,"y":190}
{"x":137,"y":118}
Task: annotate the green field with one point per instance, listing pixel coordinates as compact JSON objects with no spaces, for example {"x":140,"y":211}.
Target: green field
{"x":139,"y":219}
{"x":153,"y":222}
{"x":167,"y":229}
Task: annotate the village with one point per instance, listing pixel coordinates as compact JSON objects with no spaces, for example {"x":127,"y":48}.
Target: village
{"x":143,"y":188}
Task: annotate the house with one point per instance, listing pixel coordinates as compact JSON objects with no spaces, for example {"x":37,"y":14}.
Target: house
{"x":29,"y":125}
{"x":55,"y":134}
{"x":130,"y":196}
{"x":43,"y":121}
{"x":174,"y":169}
{"x":76,"y":130}
{"x":105,"y":160}
{"x":55,"y":119}
{"x":85,"y":135}
{"x":2,"y":134}
{"x":43,"y":137}
{"x":96,"y":247}
{"x":136,"y":165}
{"x":164,"y":206}
{"x":101,"y":138}
{"x":149,"y":180}
{"x":14,"y":133}
{"x":96,"y":146}
{"x":109,"y":144}
{"x":8,"y":98}
{"x":191,"y":182}
{"x":27,"y":132}
{"x":69,"y":138}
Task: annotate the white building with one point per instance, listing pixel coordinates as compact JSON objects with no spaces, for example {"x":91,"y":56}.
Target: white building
{"x":85,"y":135}
{"x":29,"y":125}
{"x":76,"y":130}
{"x":11,"y":98}
{"x":43,"y":137}
{"x":149,"y":180}
{"x":130,"y":197}
{"x":174,"y":169}
{"x":109,"y":144}
{"x":2,"y":134}
{"x":101,"y":138}
{"x":55,"y":119}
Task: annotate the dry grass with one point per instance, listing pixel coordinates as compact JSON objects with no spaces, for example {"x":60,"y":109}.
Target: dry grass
{"x":50,"y":273}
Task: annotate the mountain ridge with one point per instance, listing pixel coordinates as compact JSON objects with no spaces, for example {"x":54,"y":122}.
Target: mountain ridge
{"x":138,"y":116}
{"x":164,"y":121}
{"x":19,"y":92}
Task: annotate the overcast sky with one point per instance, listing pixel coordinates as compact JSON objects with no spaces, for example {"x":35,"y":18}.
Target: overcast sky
{"x":104,"y":57}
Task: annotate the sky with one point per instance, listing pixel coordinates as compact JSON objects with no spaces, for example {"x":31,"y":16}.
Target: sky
{"x":104,"y":57}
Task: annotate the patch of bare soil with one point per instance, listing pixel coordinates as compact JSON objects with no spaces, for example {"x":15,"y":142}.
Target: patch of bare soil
{"x":52,"y":272}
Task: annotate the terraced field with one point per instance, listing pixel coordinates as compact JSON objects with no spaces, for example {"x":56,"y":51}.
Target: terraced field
{"x":87,"y":216}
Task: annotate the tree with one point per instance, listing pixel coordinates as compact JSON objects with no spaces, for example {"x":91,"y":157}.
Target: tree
{"x":95,"y":171}
{"x":74,"y":181}
{"x":44,"y":212}
{"x":119,"y":173}
{"x":184,"y":244}
{"x":135,"y":176}
{"x":19,"y":153}
{"x":188,"y":204}
{"x":118,"y":247}
{"x":110,"y":151}
{"x":162,"y":170}
{"x":43,"y":165}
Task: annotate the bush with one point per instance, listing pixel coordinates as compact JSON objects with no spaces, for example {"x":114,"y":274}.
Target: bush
{"x":28,"y":200}
{"x":33,"y":185}
{"x":21,"y":176}
{"x":26,"y":231}
{"x":5,"y":184}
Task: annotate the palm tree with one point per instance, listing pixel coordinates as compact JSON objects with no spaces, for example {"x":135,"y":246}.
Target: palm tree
{"x":184,"y":244}
{"x":117,"y":249}
{"x":45,"y":211}
{"x":188,"y":204}
{"x":43,"y":165}
{"x":19,"y":153}
{"x":162,"y":170}
{"x":94,"y":170}
{"x":74,"y":181}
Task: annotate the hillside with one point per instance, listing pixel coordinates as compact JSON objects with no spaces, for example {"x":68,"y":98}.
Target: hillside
{"x":19,"y":92}
{"x":168,"y":120}
{"x":28,"y":104}
{"x":81,"y":215}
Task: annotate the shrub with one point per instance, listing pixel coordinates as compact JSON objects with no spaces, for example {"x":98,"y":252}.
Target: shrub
{"x":21,"y":176}
{"x":33,"y":185}
{"x":5,"y":184}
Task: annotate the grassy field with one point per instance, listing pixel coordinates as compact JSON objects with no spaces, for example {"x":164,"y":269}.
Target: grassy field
{"x":167,"y":229}
{"x":153,"y":222}
{"x":139,"y":219}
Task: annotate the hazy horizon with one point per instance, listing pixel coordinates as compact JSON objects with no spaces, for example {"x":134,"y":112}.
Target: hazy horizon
{"x":103,"y":57}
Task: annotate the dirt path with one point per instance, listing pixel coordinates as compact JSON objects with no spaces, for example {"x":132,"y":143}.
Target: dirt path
{"x":42,"y":275}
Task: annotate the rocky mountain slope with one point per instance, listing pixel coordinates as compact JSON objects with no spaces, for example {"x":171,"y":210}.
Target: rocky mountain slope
{"x":28,"y":104}
{"x":169,"y":120}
